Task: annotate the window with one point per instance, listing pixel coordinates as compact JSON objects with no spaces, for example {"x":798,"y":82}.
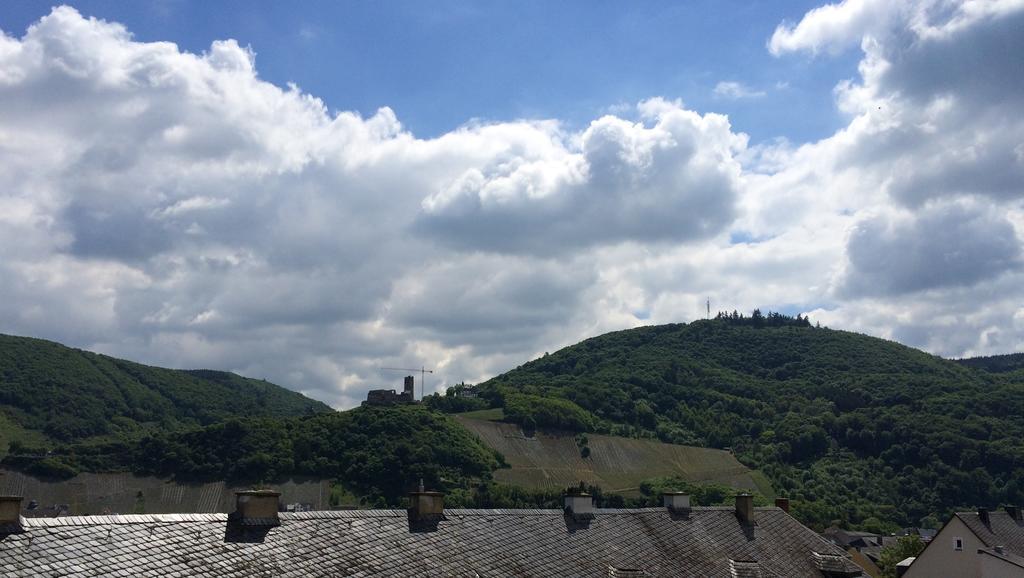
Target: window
{"x":958,"y":544}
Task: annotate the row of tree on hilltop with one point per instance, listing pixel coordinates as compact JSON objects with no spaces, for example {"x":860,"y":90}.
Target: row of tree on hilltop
{"x":758,"y":319}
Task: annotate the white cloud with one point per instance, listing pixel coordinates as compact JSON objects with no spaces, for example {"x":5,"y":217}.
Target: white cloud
{"x":924,"y":178}
{"x":176,"y":209}
{"x":943,"y":244}
{"x":735,"y":90}
{"x":834,"y":27}
{"x":673,"y":178}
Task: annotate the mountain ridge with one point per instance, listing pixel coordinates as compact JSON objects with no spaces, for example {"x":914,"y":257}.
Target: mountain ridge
{"x":1004,"y":363}
{"x":852,"y":428}
{"x":54,"y":393}
{"x":373,"y":454}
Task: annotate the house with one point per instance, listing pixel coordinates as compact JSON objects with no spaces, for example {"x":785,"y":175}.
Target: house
{"x":466,"y":391}
{"x":425,"y":540}
{"x":979,"y":544}
{"x":852,"y":538}
{"x":925,"y":534}
{"x":864,"y":548}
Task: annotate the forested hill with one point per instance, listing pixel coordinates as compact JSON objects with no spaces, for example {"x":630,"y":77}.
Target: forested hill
{"x":852,"y":427}
{"x":996,"y":363}
{"x":49,"y":392}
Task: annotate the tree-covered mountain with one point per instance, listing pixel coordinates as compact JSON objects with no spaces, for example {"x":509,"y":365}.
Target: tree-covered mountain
{"x":995,"y":363}
{"x":51,"y":393}
{"x":65,"y":411}
{"x":851,"y":427}
{"x":70,"y":411}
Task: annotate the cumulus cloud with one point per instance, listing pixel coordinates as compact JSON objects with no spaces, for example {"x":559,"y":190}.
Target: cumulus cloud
{"x":672,"y":178}
{"x":834,"y":27}
{"x":955,"y":322}
{"x":944,"y":244}
{"x":177,"y":209}
{"x":534,"y":296}
{"x":935,"y":121}
{"x":925,"y":179}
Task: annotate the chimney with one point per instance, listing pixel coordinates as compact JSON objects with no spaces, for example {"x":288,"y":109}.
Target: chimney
{"x":256,"y":508}
{"x":783,"y":504}
{"x":745,"y":508}
{"x":1014,"y":512}
{"x":10,"y":514}
{"x":983,"y":514}
{"x":425,"y":506}
{"x":579,"y":504}
{"x":676,"y":501}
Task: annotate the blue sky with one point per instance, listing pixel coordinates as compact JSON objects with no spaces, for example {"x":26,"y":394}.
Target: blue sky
{"x":440,"y":64}
{"x":467,"y":185}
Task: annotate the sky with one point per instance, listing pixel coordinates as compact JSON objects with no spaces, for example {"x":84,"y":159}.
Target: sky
{"x":308,"y":193}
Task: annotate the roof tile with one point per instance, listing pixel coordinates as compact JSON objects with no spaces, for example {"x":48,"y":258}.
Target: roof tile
{"x":707,"y":542}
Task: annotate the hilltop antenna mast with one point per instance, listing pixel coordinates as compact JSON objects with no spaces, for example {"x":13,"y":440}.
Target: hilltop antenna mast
{"x":423,"y":376}
{"x":709,"y":308}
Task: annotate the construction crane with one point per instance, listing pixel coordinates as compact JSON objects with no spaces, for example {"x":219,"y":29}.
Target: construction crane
{"x":423,"y":376}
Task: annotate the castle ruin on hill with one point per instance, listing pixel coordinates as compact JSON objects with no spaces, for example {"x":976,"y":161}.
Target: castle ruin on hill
{"x":390,"y":397}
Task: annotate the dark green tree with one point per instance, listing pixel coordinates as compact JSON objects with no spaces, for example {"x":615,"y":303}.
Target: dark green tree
{"x":893,"y":554}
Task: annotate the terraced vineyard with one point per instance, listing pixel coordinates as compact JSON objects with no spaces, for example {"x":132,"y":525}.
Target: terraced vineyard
{"x":550,"y":460}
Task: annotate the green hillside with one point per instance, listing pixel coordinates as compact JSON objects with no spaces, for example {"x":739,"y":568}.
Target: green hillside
{"x":65,"y":412}
{"x":995,"y":363}
{"x":51,"y":393}
{"x":851,"y":427}
{"x":73,"y":413}
{"x":378,"y":454}
{"x":373,"y":456}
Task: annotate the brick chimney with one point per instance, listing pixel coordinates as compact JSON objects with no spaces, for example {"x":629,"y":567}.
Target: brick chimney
{"x":1014,"y":512}
{"x":579,"y":504}
{"x":425,"y":505}
{"x":256,"y":508}
{"x":745,"y":508}
{"x":10,"y":514}
{"x":783,"y":504}
{"x":983,"y":514}
{"x":676,"y":501}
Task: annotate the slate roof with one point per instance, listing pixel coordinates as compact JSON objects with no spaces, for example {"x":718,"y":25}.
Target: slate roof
{"x":1001,"y":530}
{"x":706,"y":542}
{"x":745,"y":569}
{"x":927,"y":534}
{"x":852,"y":537}
{"x":1004,"y":556}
